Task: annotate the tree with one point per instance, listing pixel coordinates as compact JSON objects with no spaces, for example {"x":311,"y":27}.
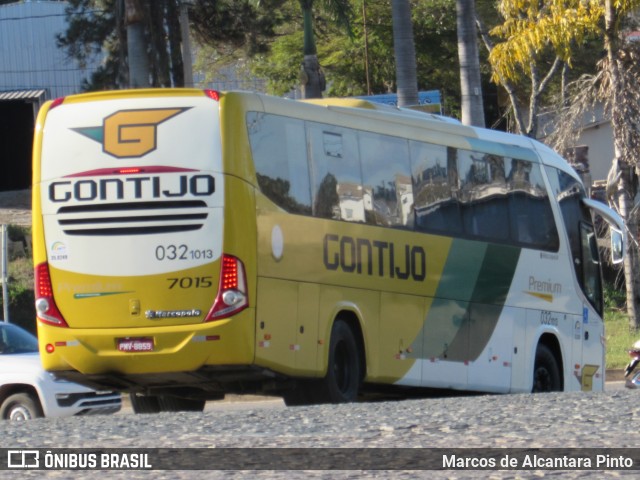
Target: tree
{"x":522,"y":63}
{"x":136,"y":44}
{"x":312,"y":78}
{"x":470,"y":82}
{"x":347,"y":59}
{"x":237,"y":27}
{"x":616,"y":86}
{"x":97,"y":26}
{"x":405,"y":53}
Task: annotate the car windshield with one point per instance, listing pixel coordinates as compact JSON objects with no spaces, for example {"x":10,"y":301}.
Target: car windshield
{"x":14,"y":339}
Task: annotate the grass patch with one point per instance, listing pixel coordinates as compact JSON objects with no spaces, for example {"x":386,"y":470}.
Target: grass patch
{"x":620,"y":337}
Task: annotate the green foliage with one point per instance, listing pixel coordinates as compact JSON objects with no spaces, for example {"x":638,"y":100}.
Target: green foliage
{"x":93,"y":29}
{"x":281,"y":66}
{"x":619,"y":339}
{"x":20,"y":283}
{"x":245,"y":26}
{"x":343,"y":57}
{"x":615,"y":299}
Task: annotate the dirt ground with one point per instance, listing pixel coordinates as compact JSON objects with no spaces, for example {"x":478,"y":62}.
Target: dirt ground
{"x":15,"y":207}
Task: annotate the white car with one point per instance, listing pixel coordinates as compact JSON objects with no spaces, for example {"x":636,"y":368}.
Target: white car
{"x":28,"y":391}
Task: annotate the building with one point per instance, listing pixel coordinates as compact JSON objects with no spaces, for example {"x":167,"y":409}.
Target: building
{"x":32,"y":70}
{"x":593,"y":152}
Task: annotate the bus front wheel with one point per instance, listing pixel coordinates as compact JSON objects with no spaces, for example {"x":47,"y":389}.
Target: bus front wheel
{"x":546,"y":373}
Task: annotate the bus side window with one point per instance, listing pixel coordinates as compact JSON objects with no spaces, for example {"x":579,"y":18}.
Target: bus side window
{"x":336,"y":177}
{"x":530,"y":215}
{"x":591,"y":280}
{"x":577,"y":220}
{"x":386,"y":174}
{"x":434,"y":182}
{"x":483,"y":195}
{"x":279,"y":153}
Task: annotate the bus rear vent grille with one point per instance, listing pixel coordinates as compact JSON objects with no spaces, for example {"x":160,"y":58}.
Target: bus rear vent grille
{"x":134,"y":218}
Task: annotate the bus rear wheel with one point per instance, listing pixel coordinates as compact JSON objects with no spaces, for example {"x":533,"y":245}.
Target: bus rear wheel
{"x":342,"y":381}
{"x":546,"y":373}
{"x":169,"y":403}
{"x":144,"y":403}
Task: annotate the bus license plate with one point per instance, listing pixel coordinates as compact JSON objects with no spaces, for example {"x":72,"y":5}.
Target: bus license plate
{"x":141,"y":344}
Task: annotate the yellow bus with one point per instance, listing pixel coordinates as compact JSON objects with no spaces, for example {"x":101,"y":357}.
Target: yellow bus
{"x":190,"y":243}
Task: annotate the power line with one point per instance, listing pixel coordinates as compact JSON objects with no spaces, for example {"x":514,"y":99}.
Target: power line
{"x":52,"y":15}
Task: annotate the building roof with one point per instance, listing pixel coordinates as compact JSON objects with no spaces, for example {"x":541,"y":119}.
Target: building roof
{"x":29,"y":94}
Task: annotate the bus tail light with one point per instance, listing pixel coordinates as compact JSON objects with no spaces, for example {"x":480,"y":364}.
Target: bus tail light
{"x":212,"y":94}
{"x":56,"y":102}
{"x":232,"y":293}
{"x":46,"y":308}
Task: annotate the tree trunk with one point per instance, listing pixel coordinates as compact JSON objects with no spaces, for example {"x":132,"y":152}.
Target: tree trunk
{"x":311,"y":76}
{"x":470,"y":83}
{"x":136,"y":45}
{"x":180,"y":45}
{"x":624,"y":163}
{"x":405,"y":53}
{"x":159,"y":42}
{"x":122,"y":79}
{"x":631,"y":261}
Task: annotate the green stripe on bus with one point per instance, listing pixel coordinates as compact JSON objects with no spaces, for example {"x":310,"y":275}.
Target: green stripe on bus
{"x":448,"y":311}
{"x":458,"y":330}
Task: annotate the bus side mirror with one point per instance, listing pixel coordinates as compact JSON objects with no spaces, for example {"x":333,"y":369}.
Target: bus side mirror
{"x":617,"y":245}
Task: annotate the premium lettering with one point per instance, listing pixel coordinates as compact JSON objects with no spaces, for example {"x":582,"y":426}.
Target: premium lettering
{"x":380,"y":258}
{"x":544,"y":286}
{"x":89,"y":190}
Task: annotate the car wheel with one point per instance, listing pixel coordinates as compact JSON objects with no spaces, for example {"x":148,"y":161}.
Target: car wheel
{"x":20,"y":406}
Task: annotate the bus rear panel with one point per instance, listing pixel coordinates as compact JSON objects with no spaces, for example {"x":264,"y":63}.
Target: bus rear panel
{"x":131,"y":271}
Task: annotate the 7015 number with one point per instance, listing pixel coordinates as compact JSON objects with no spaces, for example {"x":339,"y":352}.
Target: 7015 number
{"x":190,"y":282}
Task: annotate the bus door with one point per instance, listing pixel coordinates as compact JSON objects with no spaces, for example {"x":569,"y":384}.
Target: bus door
{"x":592,"y":374}
{"x":592,"y":332}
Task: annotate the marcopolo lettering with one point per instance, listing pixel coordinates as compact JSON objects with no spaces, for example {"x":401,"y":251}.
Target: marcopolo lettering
{"x":88,"y":190}
{"x":374,"y":257}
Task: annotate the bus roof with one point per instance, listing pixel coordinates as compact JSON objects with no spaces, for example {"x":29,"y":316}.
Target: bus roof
{"x":443,"y":129}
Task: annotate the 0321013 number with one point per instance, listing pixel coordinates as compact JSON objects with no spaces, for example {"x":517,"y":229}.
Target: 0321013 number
{"x":190,"y":282}
{"x":182,"y":252}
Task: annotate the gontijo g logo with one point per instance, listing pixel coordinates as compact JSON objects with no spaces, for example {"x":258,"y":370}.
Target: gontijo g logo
{"x":130,"y":133}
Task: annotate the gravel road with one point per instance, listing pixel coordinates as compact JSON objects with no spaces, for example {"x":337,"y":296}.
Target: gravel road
{"x":564,"y":420}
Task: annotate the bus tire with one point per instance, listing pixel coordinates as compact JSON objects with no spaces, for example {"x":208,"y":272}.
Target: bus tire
{"x":169,"y":403}
{"x":546,"y":372}
{"x":144,"y":403}
{"x":20,"y":406}
{"x":342,"y":381}
{"x":300,"y":394}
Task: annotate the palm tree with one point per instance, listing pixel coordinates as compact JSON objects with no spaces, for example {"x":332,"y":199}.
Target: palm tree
{"x":405,"y":53}
{"x":136,"y":45}
{"x":311,"y":76}
{"x":470,"y":85}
